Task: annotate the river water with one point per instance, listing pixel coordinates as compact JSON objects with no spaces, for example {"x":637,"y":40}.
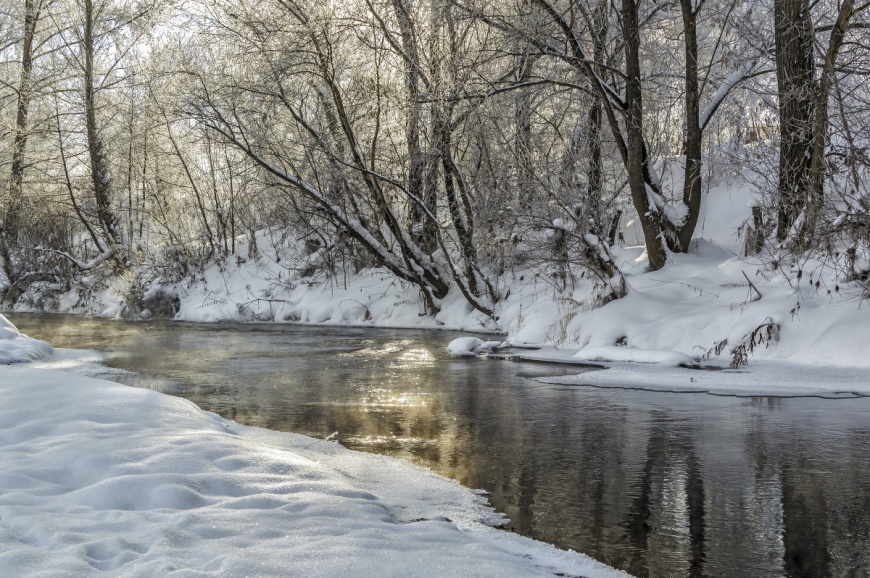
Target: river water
{"x":657,"y":484}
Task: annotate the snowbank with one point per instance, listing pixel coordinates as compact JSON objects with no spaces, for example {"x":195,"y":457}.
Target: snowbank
{"x":263,"y":290}
{"x":100,"y":477}
{"x":707,"y":299}
{"x":615,"y":353}
{"x":762,"y":378}
{"x":18,"y":348}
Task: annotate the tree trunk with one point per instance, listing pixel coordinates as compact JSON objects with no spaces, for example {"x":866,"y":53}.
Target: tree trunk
{"x":820,"y":122}
{"x":523,"y":125}
{"x":99,"y":166}
{"x":636,"y":150}
{"x":593,"y":120}
{"x":795,"y":74}
{"x":692,"y":175}
{"x":418,"y":184}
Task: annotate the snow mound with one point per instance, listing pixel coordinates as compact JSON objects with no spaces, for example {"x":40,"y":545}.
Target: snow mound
{"x":471,"y":346}
{"x":18,"y":348}
{"x":632,"y":354}
{"x":101,"y":478}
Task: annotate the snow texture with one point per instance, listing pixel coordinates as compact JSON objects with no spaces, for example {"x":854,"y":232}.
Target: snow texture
{"x":18,"y":348}
{"x":764,"y":378}
{"x":464,"y":346}
{"x":615,"y":353}
{"x":471,"y":346}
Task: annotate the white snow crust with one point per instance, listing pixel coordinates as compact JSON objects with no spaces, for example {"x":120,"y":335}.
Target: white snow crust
{"x":615,"y":353}
{"x":16,"y":347}
{"x":472,"y":346}
{"x":763,"y":378}
{"x":464,"y":346}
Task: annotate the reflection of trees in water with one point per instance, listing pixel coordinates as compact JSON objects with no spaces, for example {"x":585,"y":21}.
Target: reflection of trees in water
{"x":805,"y":520}
{"x":812,"y":518}
{"x":666,"y":523}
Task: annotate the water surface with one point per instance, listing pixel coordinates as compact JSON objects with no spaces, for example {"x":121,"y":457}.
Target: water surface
{"x":658,"y":484}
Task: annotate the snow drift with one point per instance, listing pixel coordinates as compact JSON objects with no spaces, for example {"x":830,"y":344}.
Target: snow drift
{"x":18,"y":348}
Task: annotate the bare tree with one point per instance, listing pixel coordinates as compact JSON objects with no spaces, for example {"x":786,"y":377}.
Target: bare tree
{"x":665,"y":224}
{"x":10,"y":222}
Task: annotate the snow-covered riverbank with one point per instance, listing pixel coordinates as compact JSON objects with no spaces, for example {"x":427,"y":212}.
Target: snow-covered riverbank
{"x":709,"y":305}
{"x":99,"y":476}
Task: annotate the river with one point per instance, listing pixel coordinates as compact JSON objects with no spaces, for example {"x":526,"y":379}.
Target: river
{"x":657,"y":484}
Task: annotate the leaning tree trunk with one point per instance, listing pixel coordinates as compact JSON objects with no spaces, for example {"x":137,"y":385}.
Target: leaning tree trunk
{"x":636,"y":157}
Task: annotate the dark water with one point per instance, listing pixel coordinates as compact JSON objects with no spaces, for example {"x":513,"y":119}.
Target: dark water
{"x":657,"y":484}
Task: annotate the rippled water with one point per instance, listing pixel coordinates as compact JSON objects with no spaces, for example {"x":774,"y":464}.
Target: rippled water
{"x":658,"y":484}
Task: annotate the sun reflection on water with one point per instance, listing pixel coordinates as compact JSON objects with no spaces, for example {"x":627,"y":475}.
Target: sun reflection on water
{"x":414,"y":359}
{"x":381,"y":399}
{"x":385,"y":350}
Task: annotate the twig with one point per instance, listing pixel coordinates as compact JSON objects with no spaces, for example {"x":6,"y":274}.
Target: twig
{"x":754,"y":288}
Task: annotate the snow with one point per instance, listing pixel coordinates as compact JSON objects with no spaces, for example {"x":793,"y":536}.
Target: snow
{"x":471,"y":346}
{"x":464,"y":346}
{"x":18,"y":348}
{"x":746,"y":70}
{"x":768,"y":379}
{"x":704,"y":298}
{"x":632,"y":354}
{"x":672,"y":320}
{"x":99,"y":477}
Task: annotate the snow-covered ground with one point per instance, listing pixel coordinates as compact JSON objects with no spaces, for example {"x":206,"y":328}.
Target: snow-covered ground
{"x":656,"y":371}
{"x":18,"y":348}
{"x":103,"y":478}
